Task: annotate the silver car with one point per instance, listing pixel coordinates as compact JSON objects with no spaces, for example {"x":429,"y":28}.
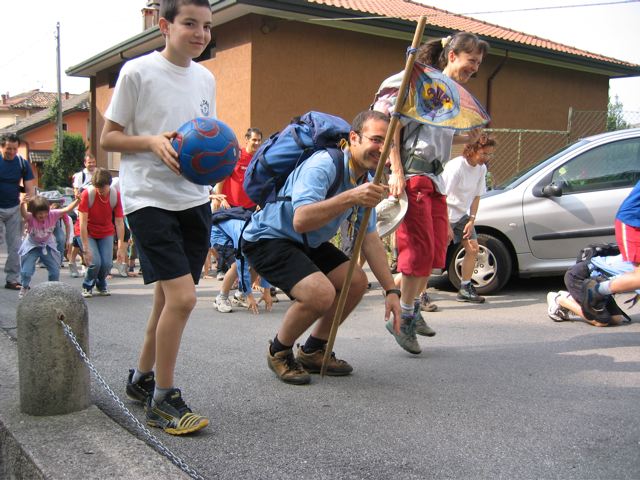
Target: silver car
{"x":535,"y":223}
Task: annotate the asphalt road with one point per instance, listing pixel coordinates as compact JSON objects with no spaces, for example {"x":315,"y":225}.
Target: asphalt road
{"x":500,"y":392}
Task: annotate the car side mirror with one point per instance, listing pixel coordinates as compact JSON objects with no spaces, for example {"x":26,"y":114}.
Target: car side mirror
{"x":552,"y":190}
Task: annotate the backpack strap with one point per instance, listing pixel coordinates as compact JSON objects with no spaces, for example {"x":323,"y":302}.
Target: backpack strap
{"x":338,"y":160}
{"x":91,"y":194}
{"x":113,"y":197}
{"x":23,"y":167}
{"x":240,"y":256}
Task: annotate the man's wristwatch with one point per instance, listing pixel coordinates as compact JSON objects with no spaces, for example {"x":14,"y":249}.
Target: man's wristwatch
{"x":392,"y":290}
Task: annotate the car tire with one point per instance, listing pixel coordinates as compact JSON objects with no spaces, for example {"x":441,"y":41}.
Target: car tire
{"x":493,"y":269}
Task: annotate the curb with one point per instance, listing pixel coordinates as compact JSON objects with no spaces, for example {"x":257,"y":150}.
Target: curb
{"x":85,"y":444}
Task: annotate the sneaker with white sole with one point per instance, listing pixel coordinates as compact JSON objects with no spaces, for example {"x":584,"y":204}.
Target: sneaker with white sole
{"x":86,"y":293}
{"x":407,"y":336}
{"x":222,"y":304}
{"x":239,"y":299}
{"x":23,"y":292}
{"x":104,"y":293}
{"x":554,"y":310}
{"x":467,"y":293}
{"x":122,"y":269}
{"x":73,"y":270}
{"x":421,"y":327}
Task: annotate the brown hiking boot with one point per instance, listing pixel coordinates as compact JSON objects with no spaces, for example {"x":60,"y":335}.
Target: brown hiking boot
{"x":285,"y":365}
{"x":312,"y":363}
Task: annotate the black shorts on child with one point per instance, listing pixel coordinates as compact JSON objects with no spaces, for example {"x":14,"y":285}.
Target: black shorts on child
{"x":171,"y":244}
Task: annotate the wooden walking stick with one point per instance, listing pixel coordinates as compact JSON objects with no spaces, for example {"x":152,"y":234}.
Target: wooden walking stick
{"x":402,"y":93}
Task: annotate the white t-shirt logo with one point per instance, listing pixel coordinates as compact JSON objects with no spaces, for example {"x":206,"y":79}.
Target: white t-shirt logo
{"x":204,"y":107}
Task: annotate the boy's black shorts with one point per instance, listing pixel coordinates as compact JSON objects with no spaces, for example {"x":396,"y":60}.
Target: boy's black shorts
{"x":283,"y":263}
{"x":171,"y":244}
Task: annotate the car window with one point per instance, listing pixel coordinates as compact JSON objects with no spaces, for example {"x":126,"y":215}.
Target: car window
{"x":525,"y":173}
{"x":614,"y":165}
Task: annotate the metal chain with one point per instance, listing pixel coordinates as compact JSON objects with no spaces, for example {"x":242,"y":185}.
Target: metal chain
{"x":152,"y":439}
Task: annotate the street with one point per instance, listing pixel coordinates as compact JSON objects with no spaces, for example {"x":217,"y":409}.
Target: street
{"x":500,"y":392}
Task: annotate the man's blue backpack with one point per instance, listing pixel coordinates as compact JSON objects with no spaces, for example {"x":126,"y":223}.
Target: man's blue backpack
{"x":285,"y":150}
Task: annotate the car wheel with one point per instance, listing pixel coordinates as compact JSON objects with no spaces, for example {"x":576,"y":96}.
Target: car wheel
{"x":492,"y":269}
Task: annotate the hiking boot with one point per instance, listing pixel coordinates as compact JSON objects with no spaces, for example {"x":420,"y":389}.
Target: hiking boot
{"x":468,"y":294}
{"x":426,"y":305}
{"x":222,"y":304}
{"x":407,"y":336}
{"x":73,"y":270}
{"x":554,"y":310}
{"x":286,"y":367}
{"x":173,"y":415}
{"x":239,"y":299}
{"x":312,"y":363}
{"x":594,"y":304}
{"x":420,"y":325}
{"x":142,"y":389}
{"x":86,"y":293}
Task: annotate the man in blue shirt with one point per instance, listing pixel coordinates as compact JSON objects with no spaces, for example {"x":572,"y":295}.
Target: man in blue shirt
{"x":13,"y":170}
{"x":287,"y":243}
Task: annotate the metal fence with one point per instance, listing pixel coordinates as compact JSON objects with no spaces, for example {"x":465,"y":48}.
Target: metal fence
{"x":518,"y":149}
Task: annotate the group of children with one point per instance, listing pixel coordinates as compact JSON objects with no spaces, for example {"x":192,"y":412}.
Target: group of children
{"x":99,"y":218}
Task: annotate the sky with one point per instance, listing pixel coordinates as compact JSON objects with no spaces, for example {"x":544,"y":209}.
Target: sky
{"x":28,"y":44}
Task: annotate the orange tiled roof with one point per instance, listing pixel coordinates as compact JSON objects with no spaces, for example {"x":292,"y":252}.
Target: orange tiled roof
{"x":33,"y":99}
{"x":409,"y":10}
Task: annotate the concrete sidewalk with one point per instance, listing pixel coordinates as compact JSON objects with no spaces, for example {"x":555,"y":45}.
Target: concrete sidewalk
{"x":86,"y":444}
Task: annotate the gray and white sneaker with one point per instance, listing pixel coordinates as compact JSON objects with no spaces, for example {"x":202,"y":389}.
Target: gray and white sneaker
{"x":421,"y":326}
{"x":239,"y":299}
{"x":73,"y":270}
{"x":222,"y":304}
{"x":468,"y":293}
{"x":407,"y":336}
{"x":122,"y":269}
{"x":554,"y":310}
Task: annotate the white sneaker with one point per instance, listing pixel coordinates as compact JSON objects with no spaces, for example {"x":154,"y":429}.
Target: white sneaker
{"x":240,"y":299}
{"x":104,"y":293}
{"x":86,"y":293}
{"x":23,"y":292}
{"x":122,"y":269}
{"x":555,"y":311}
{"x":222,"y":304}
{"x":73,"y":270}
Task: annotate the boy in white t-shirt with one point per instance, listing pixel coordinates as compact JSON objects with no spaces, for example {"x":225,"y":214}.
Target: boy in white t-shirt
{"x":465,"y":182}
{"x":155,"y":94}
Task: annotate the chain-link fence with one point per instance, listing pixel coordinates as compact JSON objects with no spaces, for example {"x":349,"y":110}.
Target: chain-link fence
{"x":518,"y":149}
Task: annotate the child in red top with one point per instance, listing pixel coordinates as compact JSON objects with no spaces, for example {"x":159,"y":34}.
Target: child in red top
{"x":97,"y":230}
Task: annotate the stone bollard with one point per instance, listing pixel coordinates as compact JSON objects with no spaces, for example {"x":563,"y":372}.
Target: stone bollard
{"x":54,"y":379}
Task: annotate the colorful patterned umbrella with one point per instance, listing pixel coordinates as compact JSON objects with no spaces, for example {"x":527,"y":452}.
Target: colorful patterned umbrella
{"x":433,"y":99}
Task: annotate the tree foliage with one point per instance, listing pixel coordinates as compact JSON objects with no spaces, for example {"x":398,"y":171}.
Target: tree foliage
{"x":615,"y":115}
{"x":59,"y":168}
